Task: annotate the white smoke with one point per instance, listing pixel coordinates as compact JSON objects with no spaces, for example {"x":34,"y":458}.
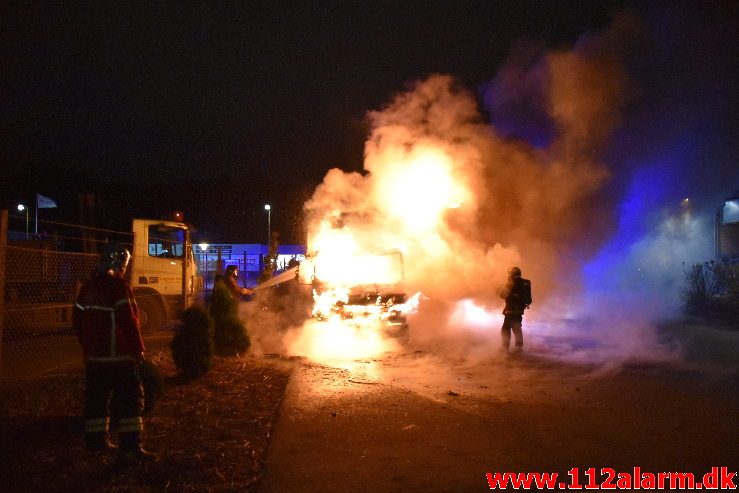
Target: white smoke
{"x":464,"y":203}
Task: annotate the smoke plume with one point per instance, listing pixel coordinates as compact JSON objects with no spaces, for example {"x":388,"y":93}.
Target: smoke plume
{"x":465,"y":199}
{"x":464,"y":202}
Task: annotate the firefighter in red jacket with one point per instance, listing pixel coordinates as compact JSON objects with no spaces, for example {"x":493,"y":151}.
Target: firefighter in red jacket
{"x":105,"y":320}
{"x":517,"y":295}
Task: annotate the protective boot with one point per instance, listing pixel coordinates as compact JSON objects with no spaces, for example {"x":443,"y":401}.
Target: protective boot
{"x":131,"y":451}
{"x":505,"y":341}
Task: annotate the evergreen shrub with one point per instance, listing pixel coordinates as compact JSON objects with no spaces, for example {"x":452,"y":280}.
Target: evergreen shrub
{"x":712,"y":291}
{"x":192,"y":346}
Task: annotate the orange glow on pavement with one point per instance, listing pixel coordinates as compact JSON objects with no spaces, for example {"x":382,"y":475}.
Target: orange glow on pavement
{"x":335,"y":342}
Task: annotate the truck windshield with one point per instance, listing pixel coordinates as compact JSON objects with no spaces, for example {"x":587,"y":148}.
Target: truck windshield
{"x":166,"y":242}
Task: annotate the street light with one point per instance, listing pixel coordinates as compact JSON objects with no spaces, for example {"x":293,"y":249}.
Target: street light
{"x":204,"y":265}
{"x":268,"y":208}
{"x":204,"y":256}
{"x":22,"y":208}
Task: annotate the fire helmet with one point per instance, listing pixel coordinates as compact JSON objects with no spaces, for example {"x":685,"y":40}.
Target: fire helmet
{"x":114,"y":258}
{"x":515,"y":272}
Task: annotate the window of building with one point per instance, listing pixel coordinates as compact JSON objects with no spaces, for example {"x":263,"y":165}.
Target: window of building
{"x":731,"y":211}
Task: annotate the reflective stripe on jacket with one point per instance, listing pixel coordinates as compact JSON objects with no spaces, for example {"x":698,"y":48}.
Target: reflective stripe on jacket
{"x":105,"y":320}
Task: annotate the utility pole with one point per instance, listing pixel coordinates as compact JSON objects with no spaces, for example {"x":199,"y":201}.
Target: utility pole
{"x":268,"y":208}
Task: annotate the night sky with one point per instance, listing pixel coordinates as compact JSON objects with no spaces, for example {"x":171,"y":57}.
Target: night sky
{"x":218,"y":108}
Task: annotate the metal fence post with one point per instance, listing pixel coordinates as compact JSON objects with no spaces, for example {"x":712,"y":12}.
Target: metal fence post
{"x":245,"y":280}
{"x":3,"y":242}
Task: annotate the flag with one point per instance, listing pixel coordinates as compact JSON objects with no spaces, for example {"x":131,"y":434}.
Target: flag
{"x":44,"y":202}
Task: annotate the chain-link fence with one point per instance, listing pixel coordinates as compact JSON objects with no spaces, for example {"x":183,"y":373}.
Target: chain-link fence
{"x":39,"y":281}
{"x":40,"y":289}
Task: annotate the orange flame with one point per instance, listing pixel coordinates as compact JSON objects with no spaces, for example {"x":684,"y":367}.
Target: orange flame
{"x":420,"y":190}
{"x":362,"y":229}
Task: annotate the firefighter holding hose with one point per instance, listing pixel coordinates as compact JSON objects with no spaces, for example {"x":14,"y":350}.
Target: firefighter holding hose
{"x":105,"y":320}
{"x":517,"y":295}
{"x":229,"y":279}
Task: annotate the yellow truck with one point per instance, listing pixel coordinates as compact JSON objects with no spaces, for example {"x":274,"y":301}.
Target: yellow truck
{"x":39,"y":283}
{"x":163,"y":273}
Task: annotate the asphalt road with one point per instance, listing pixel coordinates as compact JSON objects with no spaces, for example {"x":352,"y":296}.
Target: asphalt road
{"x":415,"y":422}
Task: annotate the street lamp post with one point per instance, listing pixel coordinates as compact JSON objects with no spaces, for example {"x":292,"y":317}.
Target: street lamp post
{"x":22,"y":208}
{"x":268,"y":208}
{"x":204,"y":266}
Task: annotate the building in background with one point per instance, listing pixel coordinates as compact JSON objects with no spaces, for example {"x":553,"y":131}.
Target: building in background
{"x":248,"y":257}
{"x":727,"y":230}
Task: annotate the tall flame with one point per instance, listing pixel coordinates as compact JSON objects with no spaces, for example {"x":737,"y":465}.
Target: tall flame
{"x":420,"y":189}
{"x":462,"y":203}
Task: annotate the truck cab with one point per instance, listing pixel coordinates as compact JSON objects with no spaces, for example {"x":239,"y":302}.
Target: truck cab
{"x":164,"y":276}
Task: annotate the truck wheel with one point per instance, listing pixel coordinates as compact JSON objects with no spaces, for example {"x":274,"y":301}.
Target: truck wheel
{"x":151,"y":315}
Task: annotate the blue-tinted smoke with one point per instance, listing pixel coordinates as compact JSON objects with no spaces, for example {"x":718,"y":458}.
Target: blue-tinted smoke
{"x":675,"y":140}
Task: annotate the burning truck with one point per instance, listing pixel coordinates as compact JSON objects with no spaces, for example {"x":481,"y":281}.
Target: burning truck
{"x":361,"y":290}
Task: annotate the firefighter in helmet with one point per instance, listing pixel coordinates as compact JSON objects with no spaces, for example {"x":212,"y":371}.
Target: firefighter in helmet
{"x":230,"y":280}
{"x":517,"y":295}
{"x":105,"y":320}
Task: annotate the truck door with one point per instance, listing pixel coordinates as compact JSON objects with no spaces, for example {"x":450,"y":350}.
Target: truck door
{"x":162,"y":262}
{"x":157,"y":275}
